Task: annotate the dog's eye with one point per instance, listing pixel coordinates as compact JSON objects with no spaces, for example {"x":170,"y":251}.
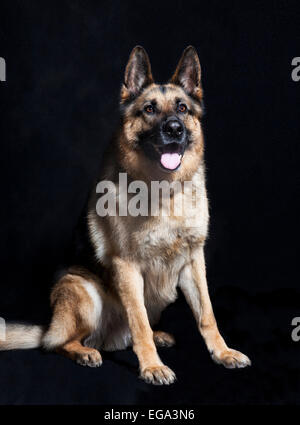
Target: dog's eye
{"x":182,"y":107}
{"x":149,"y":109}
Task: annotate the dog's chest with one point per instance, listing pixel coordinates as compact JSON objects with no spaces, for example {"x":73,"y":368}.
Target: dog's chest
{"x":165,"y":241}
{"x":162,"y":252}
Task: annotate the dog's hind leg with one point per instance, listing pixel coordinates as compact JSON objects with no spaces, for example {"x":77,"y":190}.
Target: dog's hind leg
{"x":85,"y":356}
{"x":77,"y":305}
{"x":163,"y":339}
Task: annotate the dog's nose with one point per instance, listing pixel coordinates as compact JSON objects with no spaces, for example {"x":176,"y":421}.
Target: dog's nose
{"x":173,"y":129}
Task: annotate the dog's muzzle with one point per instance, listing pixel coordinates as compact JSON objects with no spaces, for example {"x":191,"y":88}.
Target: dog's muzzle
{"x":173,"y":143}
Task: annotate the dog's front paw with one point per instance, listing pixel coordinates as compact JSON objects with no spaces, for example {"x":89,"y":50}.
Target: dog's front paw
{"x":231,"y":359}
{"x":158,"y":375}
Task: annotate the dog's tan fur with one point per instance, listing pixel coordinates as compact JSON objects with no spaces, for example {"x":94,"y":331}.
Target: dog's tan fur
{"x":146,"y":258}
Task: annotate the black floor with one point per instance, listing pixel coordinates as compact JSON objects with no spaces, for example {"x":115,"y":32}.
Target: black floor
{"x":259,"y":324}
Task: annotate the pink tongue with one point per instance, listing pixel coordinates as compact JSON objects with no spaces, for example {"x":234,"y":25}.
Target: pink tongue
{"x":170,"y":160}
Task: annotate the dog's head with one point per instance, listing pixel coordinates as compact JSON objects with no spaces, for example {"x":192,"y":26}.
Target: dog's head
{"x":161,"y":134}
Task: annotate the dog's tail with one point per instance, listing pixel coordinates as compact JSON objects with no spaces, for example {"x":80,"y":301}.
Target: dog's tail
{"x":17,"y":336}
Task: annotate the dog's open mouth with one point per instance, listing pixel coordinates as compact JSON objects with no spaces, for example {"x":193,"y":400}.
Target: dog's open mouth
{"x":171,"y":156}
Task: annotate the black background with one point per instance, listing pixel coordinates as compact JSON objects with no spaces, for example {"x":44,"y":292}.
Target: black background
{"x":58,"y":108}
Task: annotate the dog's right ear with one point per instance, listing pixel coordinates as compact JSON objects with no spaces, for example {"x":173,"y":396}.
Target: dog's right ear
{"x":137,"y":74}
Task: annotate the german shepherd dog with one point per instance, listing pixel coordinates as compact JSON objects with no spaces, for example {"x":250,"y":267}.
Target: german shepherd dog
{"x":140,"y":260}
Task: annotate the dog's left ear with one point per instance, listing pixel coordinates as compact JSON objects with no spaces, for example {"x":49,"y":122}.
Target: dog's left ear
{"x":188,"y":73}
{"x":137,"y":74}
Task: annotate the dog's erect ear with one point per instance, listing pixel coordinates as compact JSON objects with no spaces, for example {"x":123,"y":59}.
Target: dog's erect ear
{"x":137,"y":74}
{"x":188,"y":73}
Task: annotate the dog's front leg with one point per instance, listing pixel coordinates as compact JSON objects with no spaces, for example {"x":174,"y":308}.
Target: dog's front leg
{"x":131,"y":290}
{"x":194,"y":286}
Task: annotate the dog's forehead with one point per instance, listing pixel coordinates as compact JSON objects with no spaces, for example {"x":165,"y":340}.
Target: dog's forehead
{"x":163,"y":93}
